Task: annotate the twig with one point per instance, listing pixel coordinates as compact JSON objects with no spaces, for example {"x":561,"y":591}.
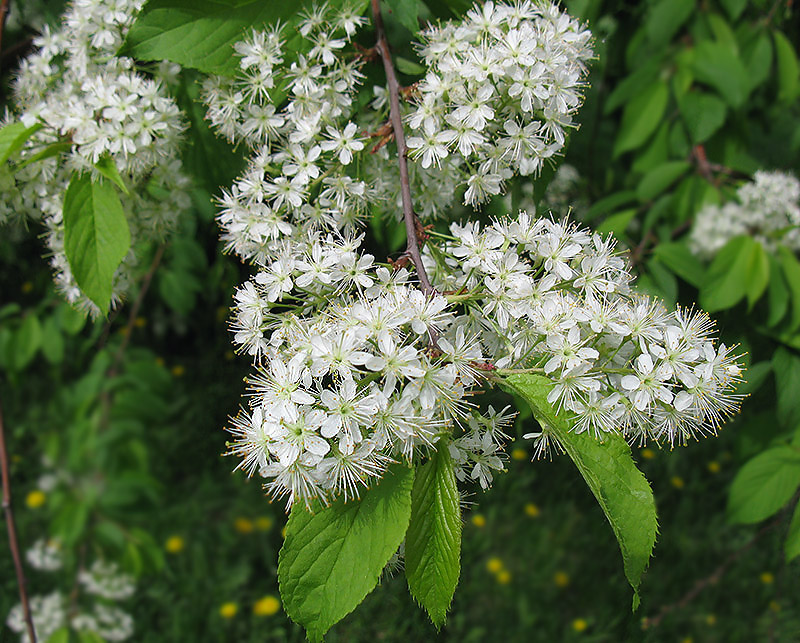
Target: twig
{"x":137,"y":304}
{"x":714,"y":578}
{"x":412,"y":249}
{"x":3,"y":15}
{"x":12,"y":534}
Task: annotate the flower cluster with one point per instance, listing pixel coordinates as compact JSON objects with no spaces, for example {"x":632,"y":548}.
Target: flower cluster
{"x":45,"y":555}
{"x":50,"y":611}
{"x":91,"y":105}
{"x":767,"y":208}
{"x":501,"y":90}
{"x":298,"y":175}
{"x":547,"y":297}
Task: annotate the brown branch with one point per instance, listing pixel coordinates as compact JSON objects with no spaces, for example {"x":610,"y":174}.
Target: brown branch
{"x":12,"y":533}
{"x":714,"y":578}
{"x":3,"y":15}
{"x":137,"y":304}
{"x":412,"y":249}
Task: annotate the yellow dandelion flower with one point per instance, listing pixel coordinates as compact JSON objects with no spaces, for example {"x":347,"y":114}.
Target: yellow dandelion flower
{"x":579,"y":625}
{"x":243,"y":525}
{"x":561,"y":579}
{"x":263,"y":523}
{"x":266,"y":606}
{"x":479,"y":520}
{"x":228,"y":610}
{"x":767,"y":578}
{"x":174,"y":544}
{"x":532,"y":510}
{"x":494,"y":565}
{"x":503,"y":577}
{"x":35,"y":499}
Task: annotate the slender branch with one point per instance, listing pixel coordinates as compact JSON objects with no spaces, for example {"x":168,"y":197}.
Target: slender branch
{"x":3,"y":15}
{"x":12,"y":534}
{"x":137,"y":304}
{"x":412,"y":249}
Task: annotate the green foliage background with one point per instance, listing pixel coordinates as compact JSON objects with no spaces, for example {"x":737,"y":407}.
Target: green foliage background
{"x":539,"y":563}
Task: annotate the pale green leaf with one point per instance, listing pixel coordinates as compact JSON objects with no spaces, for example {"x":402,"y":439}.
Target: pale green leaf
{"x":332,"y":558}
{"x":108,"y":169}
{"x":433,"y":541}
{"x":608,"y":469}
{"x":764,"y":484}
{"x":13,"y":137}
{"x":736,"y":272}
{"x":660,"y":178}
{"x":788,"y":68}
{"x":96,"y":236}
{"x":641,"y":117}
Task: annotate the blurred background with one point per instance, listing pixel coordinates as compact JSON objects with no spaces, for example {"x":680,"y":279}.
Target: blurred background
{"x":124,"y":502}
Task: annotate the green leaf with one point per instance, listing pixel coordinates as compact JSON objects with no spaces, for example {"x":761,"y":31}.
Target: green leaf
{"x":716,"y":66}
{"x":408,"y":67}
{"x":734,"y":8}
{"x":332,"y":558}
{"x":792,"y":546}
{"x":52,"y":341}
{"x":610,"y":203}
{"x":787,"y":383}
{"x":666,"y":18}
{"x":406,"y":12}
{"x":96,"y":236}
{"x":13,"y":137}
{"x":764,"y":484}
{"x":609,"y":470}
{"x":788,"y":68}
{"x":27,"y":341}
{"x":641,"y":117}
{"x":703,"y":115}
{"x":54,"y":149}
{"x":618,"y":222}
{"x":737,"y":271}
{"x":433,"y":540}
{"x":791,"y":273}
{"x":757,"y":56}
{"x":778,"y":294}
{"x":677,"y":257}
{"x":632,"y":85}
{"x":200,"y":34}
{"x":108,"y":169}
{"x":660,"y":178}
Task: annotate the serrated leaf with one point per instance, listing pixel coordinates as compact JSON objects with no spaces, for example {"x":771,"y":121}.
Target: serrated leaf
{"x":786,"y":365}
{"x":660,"y":178}
{"x":433,"y":540}
{"x":200,"y":34}
{"x":108,"y":169}
{"x":764,"y":484}
{"x":96,"y":236}
{"x":788,"y":68}
{"x":792,"y":546}
{"x":703,"y":115}
{"x":332,"y":558}
{"x":13,"y":137}
{"x":641,"y":117}
{"x":610,"y":472}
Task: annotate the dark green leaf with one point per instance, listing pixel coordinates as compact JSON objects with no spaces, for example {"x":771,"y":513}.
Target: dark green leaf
{"x":332,"y":558}
{"x":609,"y":470}
{"x":433,"y":541}
{"x":703,"y":115}
{"x":764,"y":484}
{"x":737,"y":271}
{"x":96,"y":236}
{"x":27,"y":341}
{"x":641,"y":117}
{"x":716,"y":66}
{"x":406,"y":12}
{"x":52,"y":341}
{"x":792,"y":546}
{"x":632,"y":85}
{"x":610,"y":203}
{"x":734,"y":8}
{"x":660,"y":178}
{"x":665,"y":18}
{"x":778,"y":294}
{"x":786,"y":365}
{"x":677,"y":257}
{"x":791,"y":273}
{"x":757,"y":58}
{"x":788,"y":68}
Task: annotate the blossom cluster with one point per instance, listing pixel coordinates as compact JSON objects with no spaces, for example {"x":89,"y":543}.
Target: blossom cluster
{"x":766,"y":208}
{"x":501,"y":90}
{"x":50,"y":612}
{"x":91,"y":105}
{"x":355,"y":366}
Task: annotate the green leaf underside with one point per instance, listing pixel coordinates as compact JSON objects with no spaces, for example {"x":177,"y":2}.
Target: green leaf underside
{"x":764,"y":484}
{"x":433,"y":540}
{"x":332,"y":558}
{"x":608,"y":468}
{"x":201,"y":33}
{"x":96,"y":236}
